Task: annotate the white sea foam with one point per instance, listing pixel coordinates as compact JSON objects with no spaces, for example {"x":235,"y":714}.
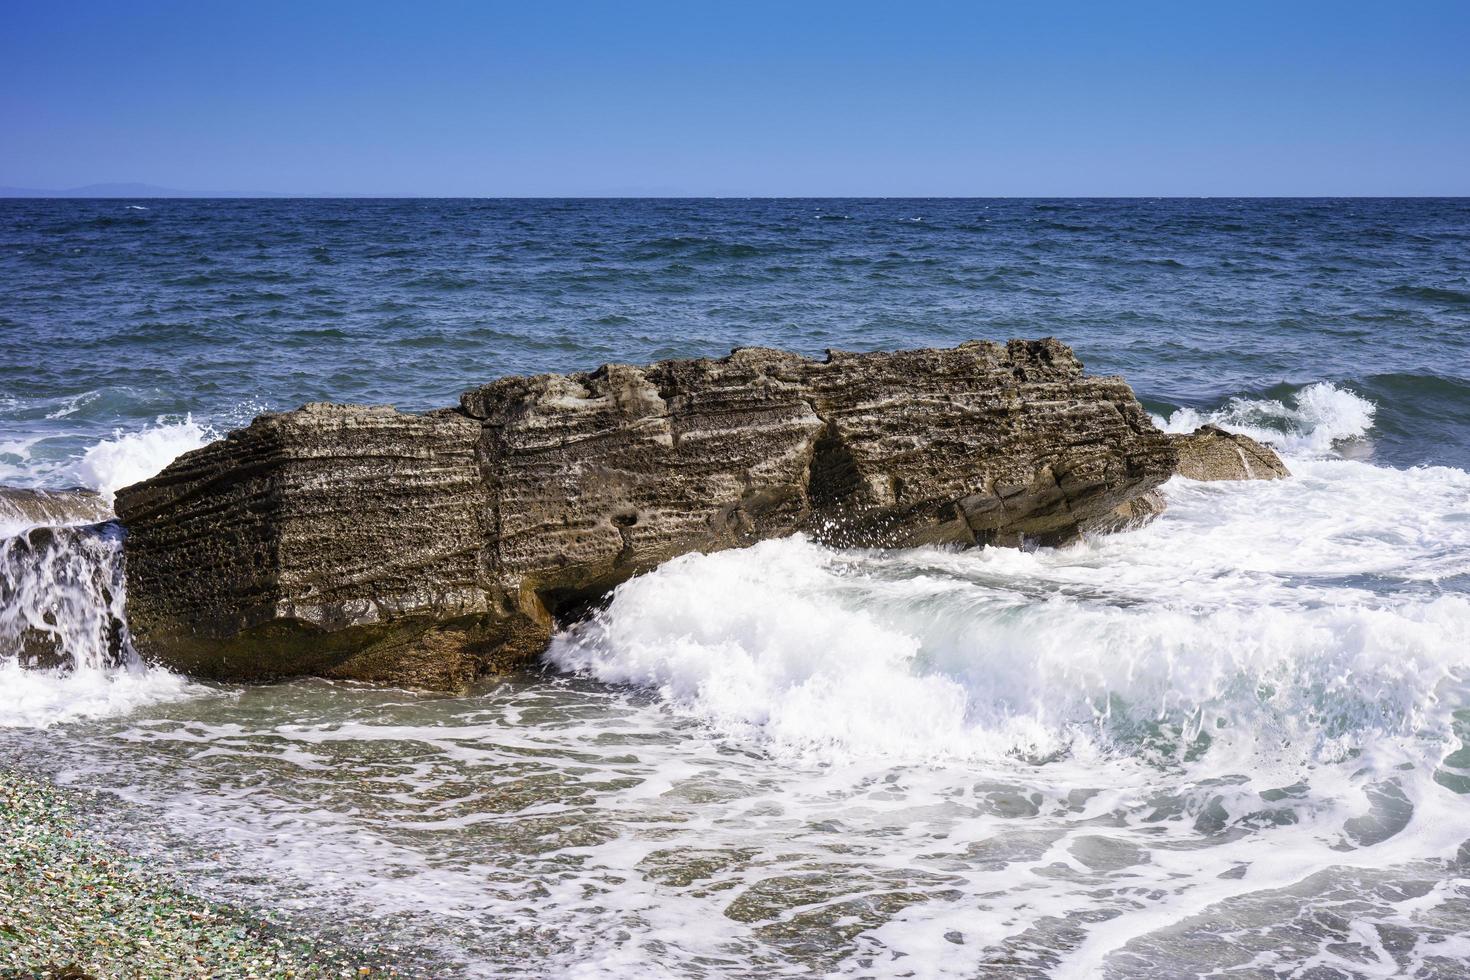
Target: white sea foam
{"x":41,"y":698}
{"x":129,"y":457}
{"x":1319,"y":417}
{"x":63,"y":603}
{"x":1300,"y":610}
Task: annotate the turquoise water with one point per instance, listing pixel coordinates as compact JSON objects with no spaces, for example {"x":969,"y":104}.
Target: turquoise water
{"x":1233,"y":743}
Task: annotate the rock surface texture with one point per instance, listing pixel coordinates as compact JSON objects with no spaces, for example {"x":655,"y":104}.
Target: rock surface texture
{"x":1211,"y":453}
{"x":426,"y":550}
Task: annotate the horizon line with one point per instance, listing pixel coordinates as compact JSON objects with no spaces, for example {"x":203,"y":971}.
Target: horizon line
{"x":9,"y":194}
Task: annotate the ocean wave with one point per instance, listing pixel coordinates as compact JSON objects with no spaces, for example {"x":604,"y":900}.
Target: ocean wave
{"x":1310,"y":422}
{"x":1433,"y":294}
{"x":129,"y":457}
{"x":1282,"y":621}
{"x":72,"y":405}
{"x":705,"y":249}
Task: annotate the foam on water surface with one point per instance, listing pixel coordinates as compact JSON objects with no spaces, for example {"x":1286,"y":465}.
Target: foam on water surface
{"x":45,"y":698}
{"x":1318,"y":419}
{"x":62,"y":590}
{"x":1238,"y":738}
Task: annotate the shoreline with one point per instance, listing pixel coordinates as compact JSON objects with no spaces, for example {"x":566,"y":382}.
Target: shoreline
{"x":74,"y":906}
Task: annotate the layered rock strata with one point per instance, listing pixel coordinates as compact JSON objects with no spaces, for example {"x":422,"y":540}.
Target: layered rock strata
{"x":427,"y":550}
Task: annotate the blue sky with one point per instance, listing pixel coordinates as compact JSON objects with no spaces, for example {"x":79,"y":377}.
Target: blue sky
{"x":740,"y":98}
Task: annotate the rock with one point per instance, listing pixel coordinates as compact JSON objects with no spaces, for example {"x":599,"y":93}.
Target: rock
{"x":22,"y":507}
{"x":1133,"y":513}
{"x":596,"y":477}
{"x":981,"y":444}
{"x":427,"y":550}
{"x":1211,"y":453}
{"x":311,"y":542}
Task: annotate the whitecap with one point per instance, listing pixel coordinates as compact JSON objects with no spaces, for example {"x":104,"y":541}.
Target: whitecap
{"x":129,"y":457}
{"x":1316,"y":421}
{"x":1303,"y":610}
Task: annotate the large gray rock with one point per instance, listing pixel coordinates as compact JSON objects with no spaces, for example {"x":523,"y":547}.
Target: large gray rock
{"x":320,"y":541}
{"x":426,"y":550}
{"x":1212,"y":453}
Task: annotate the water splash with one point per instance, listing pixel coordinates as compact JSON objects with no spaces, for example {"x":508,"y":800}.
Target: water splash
{"x":129,"y":457}
{"x":65,"y":652}
{"x":1319,"y":418}
{"x":1299,"y":619}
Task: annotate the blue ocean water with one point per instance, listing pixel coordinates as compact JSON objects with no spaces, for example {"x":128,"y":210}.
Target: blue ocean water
{"x":117,"y":312}
{"x":1233,"y":742}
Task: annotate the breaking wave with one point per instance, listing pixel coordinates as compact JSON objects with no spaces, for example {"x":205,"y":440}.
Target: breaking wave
{"x":1302,"y":632}
{"x":1298,"y":619}
{"x":129,"y":457}
{"x":1309,"y":422}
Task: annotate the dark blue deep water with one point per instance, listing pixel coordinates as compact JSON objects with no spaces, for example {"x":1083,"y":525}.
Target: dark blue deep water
{"x":114,"y":313}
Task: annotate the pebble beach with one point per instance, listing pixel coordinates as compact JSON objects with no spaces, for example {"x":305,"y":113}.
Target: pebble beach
{"x":74,"y":907}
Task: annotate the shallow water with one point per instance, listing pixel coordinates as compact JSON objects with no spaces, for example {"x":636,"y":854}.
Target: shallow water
{"x":1233,"y":743}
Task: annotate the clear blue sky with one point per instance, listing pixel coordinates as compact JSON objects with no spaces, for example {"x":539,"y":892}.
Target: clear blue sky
{"x":744,"y":97}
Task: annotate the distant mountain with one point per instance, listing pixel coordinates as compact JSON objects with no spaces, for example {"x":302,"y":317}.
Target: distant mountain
{"x":126,"y":190}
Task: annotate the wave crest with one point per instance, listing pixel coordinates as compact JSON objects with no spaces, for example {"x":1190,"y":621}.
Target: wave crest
{"x":1309,"y":423}
{"x":1295,"y":620}
{"x":129,"y":457}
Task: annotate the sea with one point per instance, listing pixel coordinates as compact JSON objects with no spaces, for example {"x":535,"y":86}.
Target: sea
{"x":1233,"y":743}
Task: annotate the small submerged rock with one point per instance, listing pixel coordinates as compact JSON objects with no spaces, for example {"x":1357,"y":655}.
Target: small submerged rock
{"x":1212,"y":453}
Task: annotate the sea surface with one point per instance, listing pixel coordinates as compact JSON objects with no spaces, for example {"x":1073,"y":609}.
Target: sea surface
{"x":1234,"y":743}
